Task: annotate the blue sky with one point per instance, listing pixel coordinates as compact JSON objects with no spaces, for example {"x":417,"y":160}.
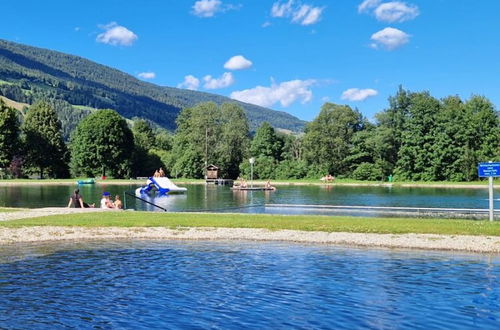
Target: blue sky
{"x":286,"y":55}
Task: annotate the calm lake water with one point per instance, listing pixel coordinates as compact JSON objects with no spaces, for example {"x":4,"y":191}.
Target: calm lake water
{"x":221,"y":198}
{"x":188,"y":285}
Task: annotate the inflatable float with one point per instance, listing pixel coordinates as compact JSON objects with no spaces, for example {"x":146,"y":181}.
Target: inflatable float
{"x":160,"y":186}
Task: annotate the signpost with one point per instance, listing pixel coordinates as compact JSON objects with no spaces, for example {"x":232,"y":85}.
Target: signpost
{"x":489,"y":170}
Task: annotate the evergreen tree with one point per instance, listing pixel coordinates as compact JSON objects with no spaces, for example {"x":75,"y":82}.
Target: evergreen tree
{"x":9,"y":135}
{"x":43,"y":140}
{"x":102,"y":144}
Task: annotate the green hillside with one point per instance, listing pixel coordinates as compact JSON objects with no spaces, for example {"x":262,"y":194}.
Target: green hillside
{"x":29,"y":73}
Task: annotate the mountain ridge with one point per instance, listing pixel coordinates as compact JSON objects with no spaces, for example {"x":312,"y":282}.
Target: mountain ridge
{"x":28,"y":73}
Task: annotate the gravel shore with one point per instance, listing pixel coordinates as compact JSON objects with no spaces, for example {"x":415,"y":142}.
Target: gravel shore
{"x":483,"y":244}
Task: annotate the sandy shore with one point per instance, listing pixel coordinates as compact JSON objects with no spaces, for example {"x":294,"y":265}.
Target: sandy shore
{"x":482,"y":244}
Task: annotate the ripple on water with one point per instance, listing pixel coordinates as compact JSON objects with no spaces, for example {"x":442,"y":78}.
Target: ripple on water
{"x":244,"y":285}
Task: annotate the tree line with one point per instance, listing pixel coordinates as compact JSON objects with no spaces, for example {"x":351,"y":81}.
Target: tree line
{"x":417,"y":138}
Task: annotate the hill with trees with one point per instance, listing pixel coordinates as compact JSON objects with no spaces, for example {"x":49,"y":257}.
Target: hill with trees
{"x":77,"y":85}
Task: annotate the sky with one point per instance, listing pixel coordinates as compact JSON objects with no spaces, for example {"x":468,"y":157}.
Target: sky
{"x":288,"y":55}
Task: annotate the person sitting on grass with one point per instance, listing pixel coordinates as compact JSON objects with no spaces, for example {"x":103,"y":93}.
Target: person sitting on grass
{"x":118,"y":203}
{"x":106,"y":203}
{"x":77,"y":200}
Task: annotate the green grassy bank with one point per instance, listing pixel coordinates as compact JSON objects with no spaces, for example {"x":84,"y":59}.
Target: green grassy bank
{"x":450,"y":184}
{"x":272,"y":222}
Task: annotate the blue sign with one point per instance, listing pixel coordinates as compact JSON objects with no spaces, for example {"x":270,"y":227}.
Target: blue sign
{"x":488,"y":169}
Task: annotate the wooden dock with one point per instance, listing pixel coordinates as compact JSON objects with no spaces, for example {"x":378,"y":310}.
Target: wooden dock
{"x":221,"y":182}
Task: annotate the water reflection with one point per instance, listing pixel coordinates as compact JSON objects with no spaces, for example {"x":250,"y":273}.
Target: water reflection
{"x":221,"y":198}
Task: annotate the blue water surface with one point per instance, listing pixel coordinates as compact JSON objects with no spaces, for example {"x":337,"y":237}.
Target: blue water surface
{"x":237,"y":285}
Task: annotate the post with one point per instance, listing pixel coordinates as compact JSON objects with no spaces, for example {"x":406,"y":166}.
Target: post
{"x":251,"y":160}
{"x":490,"y":188}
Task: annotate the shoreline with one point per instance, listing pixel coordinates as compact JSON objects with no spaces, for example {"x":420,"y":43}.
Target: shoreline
{"x":276,"y":183}
{"x":458,"y":243}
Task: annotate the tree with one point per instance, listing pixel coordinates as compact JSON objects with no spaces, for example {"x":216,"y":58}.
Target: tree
{"x":328,"y":138}
{"x":102,"y":144}
{"x":43,"y":140}
{"x":145,"y":161}
{"x":233,"y":143}
{"x":143,"y":134}
{"x":9,"y":135}
{"x":266,"y":143}
{"x":208,"y":134}
{"x":416,"y":156}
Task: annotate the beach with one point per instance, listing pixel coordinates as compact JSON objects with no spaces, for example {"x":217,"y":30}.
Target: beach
{"x":464,"y":243}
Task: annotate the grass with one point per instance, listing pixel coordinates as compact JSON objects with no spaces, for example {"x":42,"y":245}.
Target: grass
{"x":9,"y":209}
{"x":272,"y":222}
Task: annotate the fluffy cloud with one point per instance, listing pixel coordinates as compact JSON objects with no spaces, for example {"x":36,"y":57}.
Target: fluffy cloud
{"x":284,"y":93}
{"x":356,"y":94}
{"x":299,"y":14}
{"x":225,"y":80}
{"x":389,"y":38}
{"x":147,"y":75}
{"x":238,"y":62}
{"x":116,"y":35}
{"x":190,"y":82}
{"x":391,"y":12}
{"x":368,"y":5}
{"x":396,"y":12}
{"x":206,"y":8}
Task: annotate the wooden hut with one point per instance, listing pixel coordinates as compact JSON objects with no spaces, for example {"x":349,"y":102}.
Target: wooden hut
{"x":212,"y":172}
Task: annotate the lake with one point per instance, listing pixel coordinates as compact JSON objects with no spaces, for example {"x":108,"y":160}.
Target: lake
{"x":222,"y":199}
{"x":179,"y":285}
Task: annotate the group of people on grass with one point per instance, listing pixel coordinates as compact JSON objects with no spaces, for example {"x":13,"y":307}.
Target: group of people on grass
{"x":328,"y":178}
{"x":159,"y":173}
{"x":76,"y":200}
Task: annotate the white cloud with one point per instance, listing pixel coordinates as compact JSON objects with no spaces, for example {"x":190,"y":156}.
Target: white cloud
{"x":147,"y":75}
{"x":282,"y":9}
{"x":284,"y":93}
{"x":356,"y":94}
{"x":224,"y":81}
{"x":238,"y":62}
{"x":396,"y":12}
{"x":206,"y":8}
{"x":300,"y":14}
{"x":368,"y":5}
{"x":389,"y":38}
{"x":391,"y":12}
{"x":190,"y":82}
{"x":116,"y":35}
{"x":266,"y":24}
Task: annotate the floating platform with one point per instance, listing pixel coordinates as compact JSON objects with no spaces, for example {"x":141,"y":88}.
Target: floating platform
{"x":222,"y":182}
{"x":86,"y":181}
{"x":253,"y":188}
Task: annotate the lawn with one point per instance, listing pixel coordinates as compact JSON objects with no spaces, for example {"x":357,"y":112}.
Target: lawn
{"x":272,"y":222}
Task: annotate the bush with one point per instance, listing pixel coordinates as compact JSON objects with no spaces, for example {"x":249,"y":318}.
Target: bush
{"x":368,"y":171}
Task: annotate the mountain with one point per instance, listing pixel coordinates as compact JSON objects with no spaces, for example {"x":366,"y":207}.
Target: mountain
{"x":29,"y":73}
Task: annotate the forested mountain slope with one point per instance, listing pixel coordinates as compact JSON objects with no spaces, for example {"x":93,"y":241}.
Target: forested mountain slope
{"x":29,"y":73}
